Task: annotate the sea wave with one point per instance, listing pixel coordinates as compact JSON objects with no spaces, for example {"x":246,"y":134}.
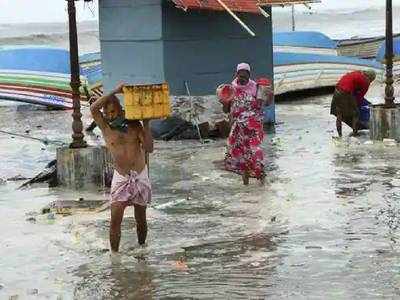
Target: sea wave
{"x":88,"y":40}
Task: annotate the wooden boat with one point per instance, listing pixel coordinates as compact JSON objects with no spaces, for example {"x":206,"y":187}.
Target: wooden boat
{"x":303,"y":71}
{"x":308,"y":60}
{"x":380,"y":56}
{"x":37,"y":75}
{"x":304,"y":42}
{"x":360,"y":47}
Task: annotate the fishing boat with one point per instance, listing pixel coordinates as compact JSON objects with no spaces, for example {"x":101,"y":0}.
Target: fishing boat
{"x":304,"y":42}
{"x":380,"y":56}
{"x":293,"y":71}
{"x":37,"y":75}
{"x":303,"y":71}
{"x":308,"y":60}
{"x":360,"y":47}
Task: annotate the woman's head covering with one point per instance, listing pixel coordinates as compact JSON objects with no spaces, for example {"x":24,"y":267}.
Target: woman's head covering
{"x":370,"y":74}
{"x":243,"y":66}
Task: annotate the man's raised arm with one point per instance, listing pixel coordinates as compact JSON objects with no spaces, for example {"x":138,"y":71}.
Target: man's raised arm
{"x":148,"y":143}
{"x":97,"y":105}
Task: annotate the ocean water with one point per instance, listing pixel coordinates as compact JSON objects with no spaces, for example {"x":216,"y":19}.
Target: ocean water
{"x":326,"y":225}
{"x":50,"y":34}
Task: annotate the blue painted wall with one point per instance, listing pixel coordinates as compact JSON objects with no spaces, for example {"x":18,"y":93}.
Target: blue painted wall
{"x":151,"y":41}
{"x":131,"y":41}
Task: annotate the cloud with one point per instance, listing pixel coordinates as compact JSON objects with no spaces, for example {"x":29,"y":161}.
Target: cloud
{"x":347,"y":5}
{"x":27,"y":11}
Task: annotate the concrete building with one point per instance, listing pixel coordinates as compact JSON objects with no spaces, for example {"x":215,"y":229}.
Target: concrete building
{"x":178,"y":41}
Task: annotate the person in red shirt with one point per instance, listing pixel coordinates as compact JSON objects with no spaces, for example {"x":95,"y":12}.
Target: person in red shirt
{"x":348,"y":99}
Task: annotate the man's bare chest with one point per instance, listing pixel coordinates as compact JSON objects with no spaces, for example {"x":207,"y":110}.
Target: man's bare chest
{"x":121,"y":139}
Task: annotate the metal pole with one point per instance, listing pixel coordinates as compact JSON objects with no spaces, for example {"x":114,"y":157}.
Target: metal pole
{"x":293,"y":19}
{"x":389,"y":90}
{"x":77,"y":126}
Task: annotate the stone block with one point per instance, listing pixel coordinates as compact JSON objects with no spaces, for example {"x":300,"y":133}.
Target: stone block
{"x":84,"y":168}
{"x":385,"y":123}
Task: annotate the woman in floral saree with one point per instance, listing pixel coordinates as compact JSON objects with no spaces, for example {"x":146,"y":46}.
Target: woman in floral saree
{"x":244,"y":153}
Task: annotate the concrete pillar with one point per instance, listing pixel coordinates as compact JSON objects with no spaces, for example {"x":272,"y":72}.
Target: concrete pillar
{"x":385,"y":123}
{"x":84,"y":168}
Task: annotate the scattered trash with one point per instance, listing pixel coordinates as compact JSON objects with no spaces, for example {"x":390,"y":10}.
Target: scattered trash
{"x":389,"y":142}
{"x":31,"y":219}
{"x":49,"y":174}
{"x":313,"y":247}
{"x":368,"y":143}
{"x":353,"y":239}
{"x":45,"y":210}
{"x":298,"y":265}
{"x":382,"y":251}
{"x":291,"y":197}
{"x":255,"y":264}
{"x":181,"y":264}
{"x":395,"y":182}
{"x":33,"y":292}
{"x":17,"y":178}
{"x":51,"y":216}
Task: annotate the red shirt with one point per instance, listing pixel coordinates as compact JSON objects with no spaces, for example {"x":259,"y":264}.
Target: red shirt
{"x":355,"y":83}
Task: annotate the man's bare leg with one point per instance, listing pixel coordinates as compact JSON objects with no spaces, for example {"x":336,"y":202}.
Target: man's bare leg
{"x":141,"y":223}
{"x":117,"y":214}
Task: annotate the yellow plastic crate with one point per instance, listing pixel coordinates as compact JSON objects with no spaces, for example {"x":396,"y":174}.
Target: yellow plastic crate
{"x":147,"y":101}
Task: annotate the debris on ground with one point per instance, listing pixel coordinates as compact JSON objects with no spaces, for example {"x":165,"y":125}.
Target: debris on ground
{"x":49,"y":174}
{"x":68,"y":207}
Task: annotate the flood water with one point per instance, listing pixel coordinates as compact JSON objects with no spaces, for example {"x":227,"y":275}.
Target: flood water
{"x":325,"y":226}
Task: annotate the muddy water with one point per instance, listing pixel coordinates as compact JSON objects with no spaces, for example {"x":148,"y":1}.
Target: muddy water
{"x":324,"y":226}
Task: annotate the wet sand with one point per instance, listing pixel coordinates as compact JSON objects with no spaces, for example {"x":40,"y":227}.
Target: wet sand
{"x":324,"y":227}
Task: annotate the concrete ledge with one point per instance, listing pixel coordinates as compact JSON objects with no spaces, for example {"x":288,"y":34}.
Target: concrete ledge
{"x":84,"y":168}
{"x":385,"y":123}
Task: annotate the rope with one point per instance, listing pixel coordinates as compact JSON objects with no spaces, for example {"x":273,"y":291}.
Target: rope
{"x":44,"y":141}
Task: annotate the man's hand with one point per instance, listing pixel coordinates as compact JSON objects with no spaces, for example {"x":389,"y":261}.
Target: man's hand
{"x":119,"y":88}
{"x":98,"y":104}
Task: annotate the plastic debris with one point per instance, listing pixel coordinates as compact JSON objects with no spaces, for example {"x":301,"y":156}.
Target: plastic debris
{"x":389,"y":142}
{"x":181,"y":264}
{"x":33,"y":292}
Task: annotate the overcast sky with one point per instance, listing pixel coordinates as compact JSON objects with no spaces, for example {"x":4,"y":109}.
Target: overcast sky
{"x":21,"y":11}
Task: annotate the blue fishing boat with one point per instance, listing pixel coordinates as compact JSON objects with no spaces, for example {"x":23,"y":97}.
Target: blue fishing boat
{"x":303,"y":71}
{"x":41,"y":75}
{"x":304,"y":42}
{"x":361,"y":47}
{"x":308,"y":60}
{"x":302,"y":60}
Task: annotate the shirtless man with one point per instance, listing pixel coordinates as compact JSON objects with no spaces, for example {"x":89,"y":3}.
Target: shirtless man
{"x":128,"y":142}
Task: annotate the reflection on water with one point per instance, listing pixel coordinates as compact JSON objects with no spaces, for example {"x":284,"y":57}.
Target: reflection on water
{"x":324,"y":227}
{"x":125,"y":280}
